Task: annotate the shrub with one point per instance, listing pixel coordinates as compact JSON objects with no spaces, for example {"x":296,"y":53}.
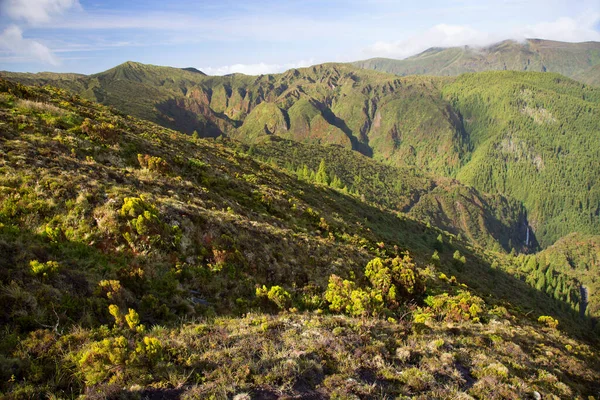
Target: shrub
{"x":145,"y":224}
{"x":548,"y":321}
{"x":44,"y":269}
{"x":153,"y":164}
{"x":395,"y":278}
{"x":391,"y":280}
{"x":151,"y":348}
{"x":112,"y":289}
{"x":276,"y":294}
{"x":461,"y":307}
{"x":104,"y":360}
{"x":116,"y":313}
{"x":458,"y":259}
{"x":103,"y":132}
{"x":338,"y":293}
{"x":343,"y":296}
{"x":132,"y":318}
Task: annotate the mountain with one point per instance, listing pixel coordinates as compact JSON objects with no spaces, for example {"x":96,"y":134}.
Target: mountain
{"x":590,"y":76}
{"x":574,"y":60}
{"x":531,"y":137}
{"x":489,"y":221}
{"x":137,"y":261}
{"x":574,"y":256}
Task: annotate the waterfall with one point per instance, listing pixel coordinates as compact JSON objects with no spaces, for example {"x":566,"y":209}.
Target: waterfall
{"x":527,"y":239}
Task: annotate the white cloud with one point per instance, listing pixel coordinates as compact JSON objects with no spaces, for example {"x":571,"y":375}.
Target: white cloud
{"x":36,"y":11}
{"x":255,"y":69}
{"x":442,"y":35}
{"x":563,"y":29}
{"x":13,"y":42}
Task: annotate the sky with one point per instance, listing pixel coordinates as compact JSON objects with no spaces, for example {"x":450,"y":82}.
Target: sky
{"x":265,"y":36}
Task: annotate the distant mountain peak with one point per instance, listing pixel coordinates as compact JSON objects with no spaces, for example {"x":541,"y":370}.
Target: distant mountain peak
{"x":575,"y":60}
{"x":194,"y":70}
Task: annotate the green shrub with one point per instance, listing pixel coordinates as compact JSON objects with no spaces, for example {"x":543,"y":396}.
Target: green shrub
{"x":548,"y":321}
{"x":104,"y":360}
{"x":344,"y":296}
{"x":276,"y":294}
{"x":395,"y":278}
{"x":103,"y":132}
{"x":151,"y":348}
{"x":391,"y":281}
{"x":44,"y":269}
{"x":460,"y":307}
{"x":145,"y":228}
{"x":154,"y":164}
{"x":132,"y":318}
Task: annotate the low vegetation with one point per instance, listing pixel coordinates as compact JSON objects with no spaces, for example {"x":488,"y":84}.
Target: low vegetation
{"x":159,"y":264}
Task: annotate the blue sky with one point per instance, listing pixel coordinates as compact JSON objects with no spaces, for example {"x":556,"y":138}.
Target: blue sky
{"x":267,"y":35}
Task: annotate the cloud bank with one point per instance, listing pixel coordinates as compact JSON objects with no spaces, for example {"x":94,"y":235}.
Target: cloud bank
{"x":13,"y":42}
{"x":563,"y":29}
{"x":255,"y":69}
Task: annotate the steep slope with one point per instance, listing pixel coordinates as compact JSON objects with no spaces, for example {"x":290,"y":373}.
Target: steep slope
{"x":117,"y":236}
{"x":535,"y":139}
{"x":330,"y":103}
{"x":573,"y":259}
{"x":492,"y":130}
{"x":569,"y":59}
{"x":590,"y":76}
{"x":490,"y":221}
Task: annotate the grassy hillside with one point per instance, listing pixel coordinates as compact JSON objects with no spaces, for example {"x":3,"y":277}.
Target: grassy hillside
{"x":512,"y":133}
{"x":590,"y":76}
{"x":489,"y":221}
{"x":138,"y":261}
{"x":570,"y":59}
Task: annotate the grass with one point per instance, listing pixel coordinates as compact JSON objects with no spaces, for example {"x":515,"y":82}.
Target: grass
{"x":130,"y":259}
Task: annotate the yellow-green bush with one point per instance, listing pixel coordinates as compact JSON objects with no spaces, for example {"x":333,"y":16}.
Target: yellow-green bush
{"x":153,"y":163}
{"x":144,"y":225}
{"x":548,"y":321}
{"x":104,"y":131}
{"x":104,"y":360}
{"x":391,"y":281}
{"x":395,"y":278}
{"x":344,"y":296}
{"x":278,"y":295}
{"x":460,"y":307}
{"x":44,"y":269}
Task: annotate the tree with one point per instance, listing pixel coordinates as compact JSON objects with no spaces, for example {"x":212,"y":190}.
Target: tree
{"x":321,"y":175}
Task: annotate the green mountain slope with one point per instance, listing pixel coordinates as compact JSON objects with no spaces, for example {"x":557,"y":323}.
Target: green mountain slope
{"x":574,"y":258}
{"x":590,"y":76}
{"x":534,"y":138}
{"x":569,"y":59}
{"x":490,"y":221}
{"x":133,"y":259}
{"x":512,"y":133}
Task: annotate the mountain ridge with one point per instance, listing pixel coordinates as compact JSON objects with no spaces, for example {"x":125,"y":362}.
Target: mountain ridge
{"x":569,"y":59}
{"x":448,"y":126}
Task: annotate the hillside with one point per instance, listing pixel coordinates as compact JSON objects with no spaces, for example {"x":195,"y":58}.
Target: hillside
{"x":137,"y":261}
{"x":573,"y":257}
{"x":492,"y":130}
{"x":574,"y":60}
{"x":590,"y":76}
{"x":489,"y":221}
